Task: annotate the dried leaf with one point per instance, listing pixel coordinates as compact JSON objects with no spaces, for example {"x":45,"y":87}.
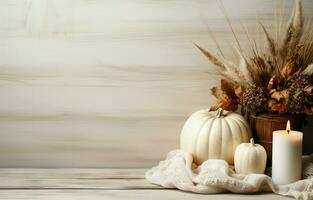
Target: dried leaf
{"x":277,"y":106}
{"x":238,"y":91}
{"x":215,"y":91}
{"x":287,"y":71}
{"x":224,"y":102}
{"x":226,"y":97}
{"x":216,"y":106}
{"x":228,"y":103}
{"x":308,"y":70}
{"x":279,"y":95}
{"x":309,"y":89}
{"x":228,"y":88}
{"x":272,"y":83}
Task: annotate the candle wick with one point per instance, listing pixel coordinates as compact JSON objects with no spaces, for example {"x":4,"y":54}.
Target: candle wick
{"x":288,"y":131}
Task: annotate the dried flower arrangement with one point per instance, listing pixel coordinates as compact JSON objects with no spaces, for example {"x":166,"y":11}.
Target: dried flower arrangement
{"x":277,"y":80}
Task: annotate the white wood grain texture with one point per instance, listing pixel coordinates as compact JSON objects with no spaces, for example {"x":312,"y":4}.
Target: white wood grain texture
{"x":126,"y":195}
{"x":108,"y":83}
{"x":93,"y":184}
{"x":106,"y":179}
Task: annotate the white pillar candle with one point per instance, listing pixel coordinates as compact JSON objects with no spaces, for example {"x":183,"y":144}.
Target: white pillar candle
{"x":287,"y":156}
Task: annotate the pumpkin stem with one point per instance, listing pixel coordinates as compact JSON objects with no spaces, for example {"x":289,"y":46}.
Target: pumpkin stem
{"x":219,"y":113}
{"x":252,"y":142}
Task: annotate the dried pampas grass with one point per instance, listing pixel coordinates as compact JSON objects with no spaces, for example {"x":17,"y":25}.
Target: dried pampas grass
{"x":245,"y":68}
{"x":270,"y":41}
{"x":224,"y":67}
{"x":291,"y":52}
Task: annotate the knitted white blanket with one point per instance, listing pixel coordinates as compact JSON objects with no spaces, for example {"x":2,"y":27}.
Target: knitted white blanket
{"x":216,"y":176}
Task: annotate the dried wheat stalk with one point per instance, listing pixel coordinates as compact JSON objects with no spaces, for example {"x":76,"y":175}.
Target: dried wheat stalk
{"x":294,"y":31}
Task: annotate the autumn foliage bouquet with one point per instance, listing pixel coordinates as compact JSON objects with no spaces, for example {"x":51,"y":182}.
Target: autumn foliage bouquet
{"x":278,"y":79}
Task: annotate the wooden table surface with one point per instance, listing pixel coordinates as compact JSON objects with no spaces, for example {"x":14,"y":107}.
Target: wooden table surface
{"x":20,"y":183}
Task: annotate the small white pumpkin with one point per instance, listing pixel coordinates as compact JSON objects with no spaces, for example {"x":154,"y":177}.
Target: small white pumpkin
{"x":214,"y":135}
{"x":250,"y":158}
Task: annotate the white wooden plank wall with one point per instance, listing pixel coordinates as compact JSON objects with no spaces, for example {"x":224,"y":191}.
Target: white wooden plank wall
{"x":93,"y":83}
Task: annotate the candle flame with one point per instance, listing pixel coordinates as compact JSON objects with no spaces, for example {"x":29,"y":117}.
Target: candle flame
{"x":288,"y":127}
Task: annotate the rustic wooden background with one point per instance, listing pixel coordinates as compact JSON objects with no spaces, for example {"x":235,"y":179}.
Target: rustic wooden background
{"x":93,"y":83}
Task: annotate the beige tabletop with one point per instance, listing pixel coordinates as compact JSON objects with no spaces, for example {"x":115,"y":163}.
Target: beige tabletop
{"x":21,"y":183}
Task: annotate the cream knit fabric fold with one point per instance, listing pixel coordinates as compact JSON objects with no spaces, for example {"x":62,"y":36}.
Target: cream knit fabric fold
{"x":216,"y":176}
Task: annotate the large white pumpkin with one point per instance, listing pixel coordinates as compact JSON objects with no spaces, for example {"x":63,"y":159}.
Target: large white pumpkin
{"x":214,"y":135}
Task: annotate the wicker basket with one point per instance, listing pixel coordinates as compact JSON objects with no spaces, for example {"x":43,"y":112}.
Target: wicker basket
{"x":263,"y":125}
